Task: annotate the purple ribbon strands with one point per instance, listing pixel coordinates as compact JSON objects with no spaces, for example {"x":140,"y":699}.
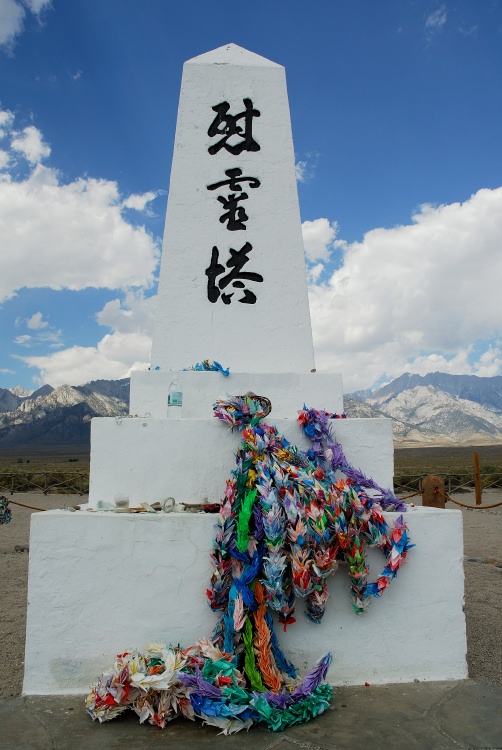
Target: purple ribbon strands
{"x":316,"y":425}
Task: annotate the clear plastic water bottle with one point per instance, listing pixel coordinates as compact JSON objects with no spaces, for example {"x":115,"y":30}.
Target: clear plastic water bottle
{"x":174,"y":399}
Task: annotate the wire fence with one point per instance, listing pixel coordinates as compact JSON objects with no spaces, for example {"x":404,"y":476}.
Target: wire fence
{"x":454,"y":482}
{"x":48,"y":482}
{"x":78,"y":482}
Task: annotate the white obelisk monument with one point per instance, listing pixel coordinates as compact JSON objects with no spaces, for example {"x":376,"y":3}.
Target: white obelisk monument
{"x":232,"y":289}
{"x":233,"y":283}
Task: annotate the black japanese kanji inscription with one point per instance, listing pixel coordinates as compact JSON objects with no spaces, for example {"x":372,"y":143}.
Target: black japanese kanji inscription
{"x":235,"y":276}
{"x":234,"y":214}
{"x":234,"y":178}
{"x":227,"y":125}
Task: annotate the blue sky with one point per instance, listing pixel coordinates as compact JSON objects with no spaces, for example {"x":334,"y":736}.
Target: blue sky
{"x":396,"y":111}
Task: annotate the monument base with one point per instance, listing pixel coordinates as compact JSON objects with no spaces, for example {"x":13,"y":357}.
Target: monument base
{"x":102,"y":582}
{"x":191,"y":459}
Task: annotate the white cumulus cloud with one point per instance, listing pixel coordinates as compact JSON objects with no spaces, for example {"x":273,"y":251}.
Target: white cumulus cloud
{"x":305,"y":168}
{"x":67,"y":235}
{"x":318,"y":238}
{"x":126,"y":348}
{"x":490,"y":362}
{"x":6,"y":122}
{"x":415,"y":298}
{"x":70,"y":236}
{"x":36,"y":322}
{"x":11,"y":21}
{"x":115,"y":356}
{"x":30,"y":144}
{"x":12,"y":17}
{"x":139,"y":201}
{"x":37,"y":6}
{"x":75,"y":235}
{"x":133,"y":314}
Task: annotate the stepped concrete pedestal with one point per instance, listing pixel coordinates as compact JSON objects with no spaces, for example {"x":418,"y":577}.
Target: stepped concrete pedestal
{"x":151,"y":458}
{"x":232,"y":288}
{"x":148,"y":459}
{"x":114,"y":582}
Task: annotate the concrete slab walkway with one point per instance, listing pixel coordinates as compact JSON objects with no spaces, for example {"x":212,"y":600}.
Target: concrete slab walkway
{"x":429,"y":716}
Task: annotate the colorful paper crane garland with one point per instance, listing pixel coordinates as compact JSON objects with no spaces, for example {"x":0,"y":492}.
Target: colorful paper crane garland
{"x":207,"y":366}
{"x":161,"y":684}
{"x":288,"y":520}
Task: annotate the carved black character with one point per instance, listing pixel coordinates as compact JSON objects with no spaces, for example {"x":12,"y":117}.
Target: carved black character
{"x":234,"y":214}
{"x":227,"y":125}
{"x":235,"y":276}
{"x":235,"y":177}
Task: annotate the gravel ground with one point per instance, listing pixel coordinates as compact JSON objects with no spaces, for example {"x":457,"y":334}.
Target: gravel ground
{"x":14,"y":585}
{"x":483,"y":587}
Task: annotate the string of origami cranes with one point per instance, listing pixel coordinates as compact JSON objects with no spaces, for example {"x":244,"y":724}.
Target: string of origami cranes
{"x":288,"y":520}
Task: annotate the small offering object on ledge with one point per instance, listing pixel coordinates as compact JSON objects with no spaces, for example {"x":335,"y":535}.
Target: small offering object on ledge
{"x":201,"y":507}
{"x":158,"y":507}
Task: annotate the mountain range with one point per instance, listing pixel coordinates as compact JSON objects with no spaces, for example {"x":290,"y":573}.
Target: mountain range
{"x":61,"y":416}
{"x":434,"y":409}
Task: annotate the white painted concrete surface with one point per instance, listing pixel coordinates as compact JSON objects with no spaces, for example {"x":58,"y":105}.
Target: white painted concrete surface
{"x":191,"y":459}
{"x":273,"y":335}
{"x":288,"y":392}
{"x":100,"y":583}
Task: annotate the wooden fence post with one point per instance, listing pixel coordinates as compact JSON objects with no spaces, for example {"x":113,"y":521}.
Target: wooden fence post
{"x":433,"y":492}
{"x":477,"y":478}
